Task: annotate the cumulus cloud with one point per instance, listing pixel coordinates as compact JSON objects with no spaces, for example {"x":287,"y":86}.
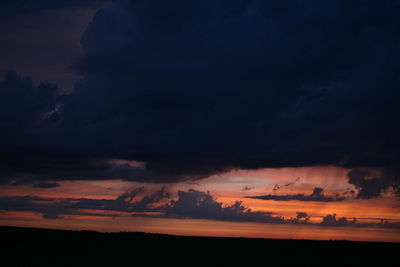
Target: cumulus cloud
{"x":370,"y":187}
{"x":316,"y":195}
{"x":331,"y":220}
{"x":194,"y":88}
{"x":200,"y":205}
{"x":302,"y":217}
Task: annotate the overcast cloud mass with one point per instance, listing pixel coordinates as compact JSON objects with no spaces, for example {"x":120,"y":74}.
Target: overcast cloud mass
{"x":193,"y":88}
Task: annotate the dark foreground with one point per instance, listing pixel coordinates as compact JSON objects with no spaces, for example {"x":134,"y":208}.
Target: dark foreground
{"x":39,"y":247}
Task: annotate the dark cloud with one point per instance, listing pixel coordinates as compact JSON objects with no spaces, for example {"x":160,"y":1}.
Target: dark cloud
{"x":331,"y":220}
{"x":22,"y":105}
{"x":247,"y":188}
{"x":58,"y":207}
{"x":199,"y":205}
{"x":301,"y":218}
{"x":191,"y":204}
{"x":370,"y":187}
{"x":278,"y":186}
{"x":41,"y":38}
{"x":194,"y":88}
{"x":316,"y":195}
{"x":130,"y":195}
{"x":302,"y":215}
{"x":15,"y":7}
{"x":44,"y":184}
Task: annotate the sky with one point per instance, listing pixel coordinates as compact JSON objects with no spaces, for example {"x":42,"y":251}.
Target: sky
{"x":214,"y":118}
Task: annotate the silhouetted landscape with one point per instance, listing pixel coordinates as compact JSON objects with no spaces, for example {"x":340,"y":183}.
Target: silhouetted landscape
{"x":201,"y":132}
{"x":36,"y":246}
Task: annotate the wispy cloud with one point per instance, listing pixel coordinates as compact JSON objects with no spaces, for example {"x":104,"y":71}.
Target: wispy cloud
{"x":247,"y":188}
{"x":316,"y":195}
{"x":279,"y":186}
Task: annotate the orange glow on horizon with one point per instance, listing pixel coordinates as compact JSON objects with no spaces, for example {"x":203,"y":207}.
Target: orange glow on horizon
{"x":225,"y":188}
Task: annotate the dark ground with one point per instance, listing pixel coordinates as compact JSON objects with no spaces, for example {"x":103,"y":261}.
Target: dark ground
{"x":39,"y":247}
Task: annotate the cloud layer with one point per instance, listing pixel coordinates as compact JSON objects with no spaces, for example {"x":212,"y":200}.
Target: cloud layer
{"x":191,"y":204}
{"x":316,"y":195}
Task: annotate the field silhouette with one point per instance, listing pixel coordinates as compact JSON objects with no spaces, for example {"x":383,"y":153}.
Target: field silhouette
{"x":39,"y":247}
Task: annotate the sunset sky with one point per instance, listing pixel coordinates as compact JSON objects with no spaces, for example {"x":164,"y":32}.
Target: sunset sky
{"x":245,"y":118}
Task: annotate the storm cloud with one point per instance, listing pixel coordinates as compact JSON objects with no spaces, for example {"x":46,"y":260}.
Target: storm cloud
{"x":193,"y":88}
